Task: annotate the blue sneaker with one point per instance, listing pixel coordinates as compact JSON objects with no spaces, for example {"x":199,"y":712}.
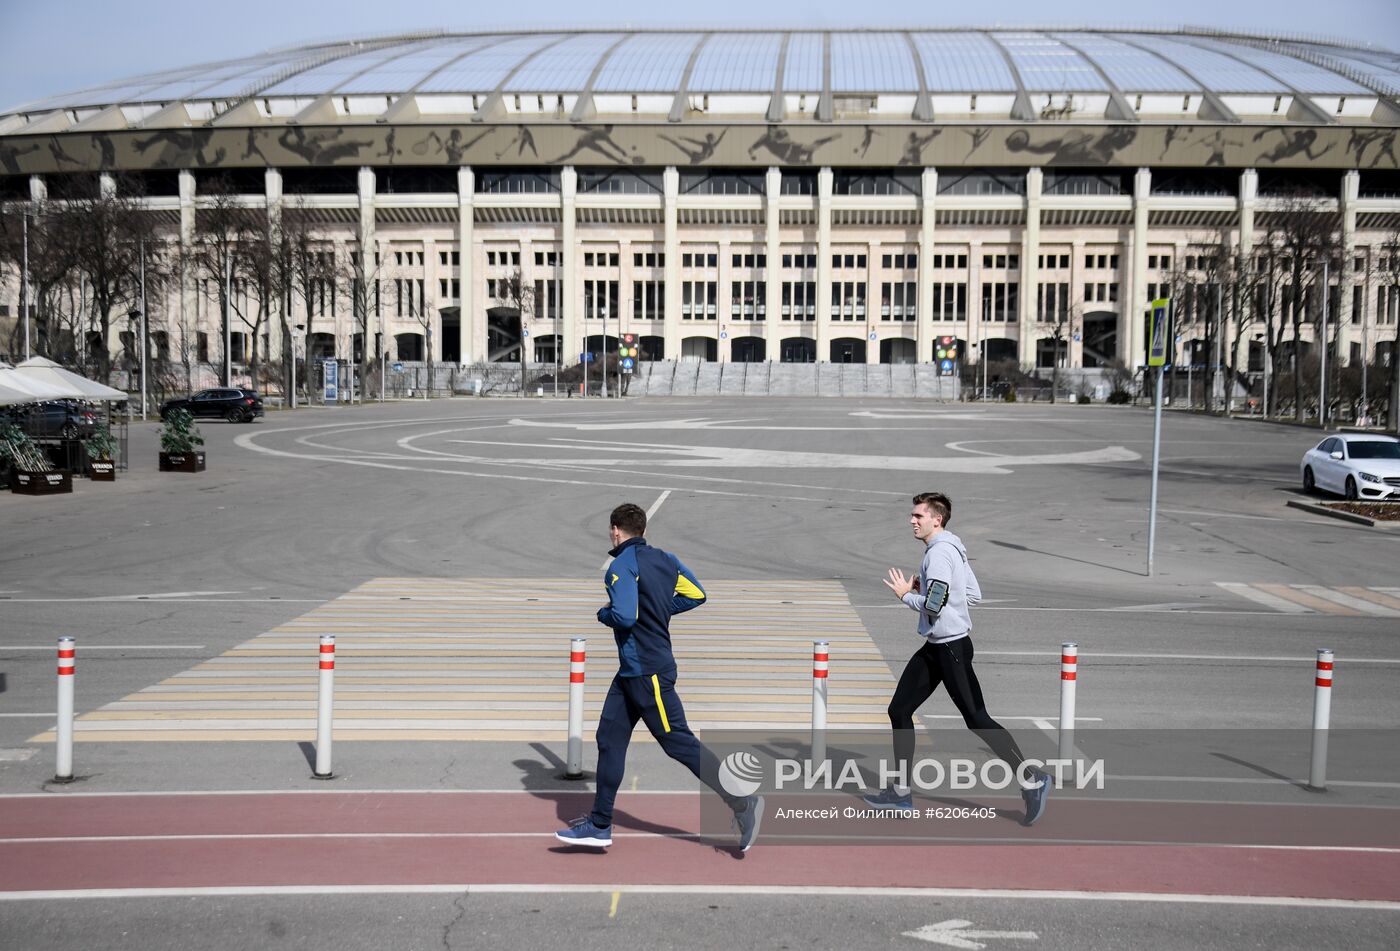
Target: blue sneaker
{"x":748,"y":822}
{"x":584,"y":832}
{"x":1035,"y":797}
{"x":887,"y":798}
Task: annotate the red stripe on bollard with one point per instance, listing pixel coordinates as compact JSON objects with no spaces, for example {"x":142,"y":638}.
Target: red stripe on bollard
{"x":327,"y":648}
{"x":575,"y":678}
{"x":1324,"y":665}
{"x":1069,"y":658}
{"x":819,"y":674}
{"x":328,"y":665}
{"x":1069,"y":675}
{"x":576,"y":657}
{"x":1323,"y":683}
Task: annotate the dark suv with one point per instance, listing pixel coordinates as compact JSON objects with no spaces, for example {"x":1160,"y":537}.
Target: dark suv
{"x":54,"y":419}
{"x":231,"y":403}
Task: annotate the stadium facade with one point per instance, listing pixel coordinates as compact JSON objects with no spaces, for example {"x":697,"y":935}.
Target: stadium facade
{"x":844,"y":196}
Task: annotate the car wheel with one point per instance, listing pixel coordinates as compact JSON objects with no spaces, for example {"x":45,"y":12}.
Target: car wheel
{"x":234,"y":415}
{"x":69,"y":431}
{"x":1309,"y":483}
{"x":1352,"y":494}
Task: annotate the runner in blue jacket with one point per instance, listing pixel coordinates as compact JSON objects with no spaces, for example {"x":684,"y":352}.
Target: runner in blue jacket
{"x":646,"y":586}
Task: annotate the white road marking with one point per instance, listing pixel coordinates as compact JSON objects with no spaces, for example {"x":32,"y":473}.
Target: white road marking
{"x":82,"y":648}
{"x":958,"y":933}
{"x":30,"y":716}
{"x":833,"y":891}
{"x":1346,"y":600}
{"x":19,"y":755}
{"x":1282,"y":605}
{"x":1260,"y":658}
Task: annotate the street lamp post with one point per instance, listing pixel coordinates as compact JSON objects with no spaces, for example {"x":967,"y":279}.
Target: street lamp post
{"x":24,"y":285}
{"x":604,"y":370}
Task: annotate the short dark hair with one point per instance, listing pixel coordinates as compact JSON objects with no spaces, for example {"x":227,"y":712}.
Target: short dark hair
{"x":630,"y":518}
{"x":938,"y":503}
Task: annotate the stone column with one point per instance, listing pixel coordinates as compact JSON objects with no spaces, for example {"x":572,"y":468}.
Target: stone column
{"x":272,"y":192}
{"x":570,"y":291}
{"x":773,"y":273}
{"x":1029,"y":276}
{"x":924,"y":328}
{"x":671,"y":187}
{"x":1351,"y":190}
{"x":874,"y":278}
{"x":374,"y":324}
{"x":471,"y":319}
{"x":1132,"y":338}
{"x":188,"y":306}
{"x":823,"y":330}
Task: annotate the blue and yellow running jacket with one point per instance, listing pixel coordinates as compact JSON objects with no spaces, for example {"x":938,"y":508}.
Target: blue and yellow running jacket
{"x":645,"y":587}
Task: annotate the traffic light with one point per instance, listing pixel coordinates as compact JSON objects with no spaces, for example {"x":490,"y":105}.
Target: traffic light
{"x":946,"y":352}
{"x":627,"y":352}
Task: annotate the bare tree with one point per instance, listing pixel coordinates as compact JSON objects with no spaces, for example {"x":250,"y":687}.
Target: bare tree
{"x":1300,"y":235}
{"x":518,"y":295}
{"x":224,"y":227}
{"x":363,"y":268}
{"x":1385,"y":271}
{"x":105,"y":235}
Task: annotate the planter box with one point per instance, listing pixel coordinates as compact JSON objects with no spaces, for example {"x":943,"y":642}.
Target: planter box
{"x":182,"y":461}
{"x":102,"y":470}
{"x":40,"y":483}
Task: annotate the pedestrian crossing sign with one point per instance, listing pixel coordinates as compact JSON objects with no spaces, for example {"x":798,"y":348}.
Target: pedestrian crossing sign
{"x":1159,"y":333}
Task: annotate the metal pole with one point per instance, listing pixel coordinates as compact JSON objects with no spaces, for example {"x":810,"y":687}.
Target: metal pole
{"x":1322,"y":713}
{"x":1156,"y":455}
{"x":63,"y":749}
{"x":1322,"y":364}
{"x":578,"y":654}
{"x":821,"y":656}
{"x":24,"y":284}
{"x":1069,"y":677}
{"x":584,"y":361}
{"x":145,"y":344}
{"x":1365,"y":403}
{"x":1220,"y":349}
{"x":325,"y":708}
{"x":1266,"y":374}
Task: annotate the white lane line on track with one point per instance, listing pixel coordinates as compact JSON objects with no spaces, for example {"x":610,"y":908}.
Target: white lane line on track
{"x":831,"y":891}
{"x":1259,"y":658}
{"x":688,"y":836}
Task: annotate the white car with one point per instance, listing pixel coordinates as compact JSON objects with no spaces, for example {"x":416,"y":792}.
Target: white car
{"x":1356,"y":465}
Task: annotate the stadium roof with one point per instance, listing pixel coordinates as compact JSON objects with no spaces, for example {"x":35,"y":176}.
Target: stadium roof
{"x":895,"y":75}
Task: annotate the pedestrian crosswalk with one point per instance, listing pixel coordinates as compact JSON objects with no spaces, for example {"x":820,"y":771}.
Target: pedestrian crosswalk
{"x":488,"y":659}
{"x":1345,"y":600}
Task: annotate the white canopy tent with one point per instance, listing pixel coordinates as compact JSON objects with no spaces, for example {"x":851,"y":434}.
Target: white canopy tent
{"x":38,"y":390}
{"x":45,"y":370}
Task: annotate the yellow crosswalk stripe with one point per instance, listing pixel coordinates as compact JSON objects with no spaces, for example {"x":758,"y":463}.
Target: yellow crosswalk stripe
{"x":1343,"y":600}
{"x":487,"y":659}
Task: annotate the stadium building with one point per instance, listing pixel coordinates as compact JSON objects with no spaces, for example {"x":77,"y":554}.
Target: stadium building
{"x":849,"y":196}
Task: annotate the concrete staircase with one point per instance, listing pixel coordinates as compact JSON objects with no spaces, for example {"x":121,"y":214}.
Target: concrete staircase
{"x":878,"y":380}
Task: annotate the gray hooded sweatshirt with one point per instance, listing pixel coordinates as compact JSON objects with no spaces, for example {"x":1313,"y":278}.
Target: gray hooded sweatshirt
{"x":945,"y":560}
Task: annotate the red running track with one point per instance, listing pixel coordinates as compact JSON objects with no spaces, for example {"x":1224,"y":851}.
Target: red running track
{"x":76,"y":842}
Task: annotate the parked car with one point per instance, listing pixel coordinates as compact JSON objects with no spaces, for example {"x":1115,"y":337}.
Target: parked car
{"x":1356,"y":465}
{"x":234,"y":404}
{"x":54,"y":419}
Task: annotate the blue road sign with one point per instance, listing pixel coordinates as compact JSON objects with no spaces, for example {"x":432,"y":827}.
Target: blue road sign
{"x":332,"y":371}
{"x":626,"y":363}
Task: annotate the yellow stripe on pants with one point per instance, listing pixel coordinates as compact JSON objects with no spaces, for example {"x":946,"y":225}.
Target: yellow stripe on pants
{"x":656,"y":686}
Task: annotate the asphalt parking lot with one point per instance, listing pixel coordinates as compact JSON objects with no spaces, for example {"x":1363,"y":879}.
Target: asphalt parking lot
{"x":159,"y":575}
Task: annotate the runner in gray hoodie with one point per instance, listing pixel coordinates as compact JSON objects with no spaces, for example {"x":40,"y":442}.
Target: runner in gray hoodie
{"x":942,"y":594}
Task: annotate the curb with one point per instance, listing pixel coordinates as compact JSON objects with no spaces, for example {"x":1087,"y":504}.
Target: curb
{"x":1316,"y":509}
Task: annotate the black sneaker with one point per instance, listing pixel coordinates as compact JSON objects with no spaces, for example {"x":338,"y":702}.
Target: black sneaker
{"x":748,"y":821}
{"x":1035,"y":797}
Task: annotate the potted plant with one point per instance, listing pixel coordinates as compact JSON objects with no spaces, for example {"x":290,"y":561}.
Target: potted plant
{"x":31,"y":473}
{"x":178,"y":439}
{"x":99,"y":448}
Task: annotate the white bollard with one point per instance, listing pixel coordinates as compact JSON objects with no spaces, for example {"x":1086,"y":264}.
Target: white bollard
{"x":821,"y":656}
{"x":578,"y":653}
{"x":325,"y":708}
{"x":1322,"y":713}
{"x":63,"y":751}
{"x":1069,"y":677}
